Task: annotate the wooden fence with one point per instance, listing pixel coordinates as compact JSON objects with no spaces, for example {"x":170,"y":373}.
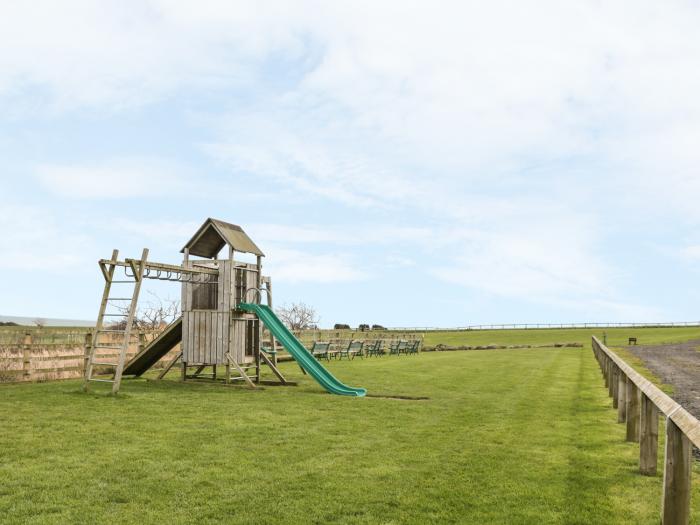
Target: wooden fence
{"x":38,"y":358}
{"x":639,"y":404}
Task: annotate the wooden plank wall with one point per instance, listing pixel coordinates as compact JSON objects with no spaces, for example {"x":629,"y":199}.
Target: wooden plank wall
{"x":240,"y":337}
{"x":205,"y":332}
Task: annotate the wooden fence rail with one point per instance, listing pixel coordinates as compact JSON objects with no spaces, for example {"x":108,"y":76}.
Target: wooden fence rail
{"x":30,"y":360}
{"x":639,"y":404}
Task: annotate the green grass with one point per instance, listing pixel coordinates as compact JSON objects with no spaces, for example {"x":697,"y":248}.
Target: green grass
{"x":615,"y":336}
{"x":511,"y":436}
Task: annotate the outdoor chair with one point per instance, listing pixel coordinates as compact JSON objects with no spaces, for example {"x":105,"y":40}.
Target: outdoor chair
{"x":398,"y":347}
{"x":320,"y":350}
{"x":376,"y":349}
{"x":354,"y":348}
{"x":413,"y":347}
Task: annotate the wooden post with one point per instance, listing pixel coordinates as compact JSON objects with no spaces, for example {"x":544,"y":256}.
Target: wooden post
{"x":614,"y":384}
{"x":142,"y":340}
{"x":183,"y":371}
{"x":27,"y":357}
{"x":88,"y":345}
{"x":621,"y":396}
{"x":649,"y":437}
{"x":675,"y":505}
{"x":632,"y":410}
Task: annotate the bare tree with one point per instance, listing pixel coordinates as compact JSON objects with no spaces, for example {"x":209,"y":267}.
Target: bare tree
{"x":297,"y":316}
{"x":40,"y":322}
{"x":155,"y":313}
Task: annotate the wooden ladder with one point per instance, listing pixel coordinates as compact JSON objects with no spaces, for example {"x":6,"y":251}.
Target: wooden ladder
{"x":123,"y":333}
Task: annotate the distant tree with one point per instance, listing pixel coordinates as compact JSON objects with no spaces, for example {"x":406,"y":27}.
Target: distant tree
{"x":363,"y":327}
{"x":378,"y":327}
{"x":39,"y":322}
{"x":297,"y":316}
{"x":155,"y":314}
{"x":341,"y":326}
{"x":8,"y":323}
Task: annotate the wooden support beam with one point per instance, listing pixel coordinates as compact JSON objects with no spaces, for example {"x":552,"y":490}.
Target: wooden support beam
{"x":621,"y":397}
{"x":272,"y":366}
{"x":169,"y":366}
{"x":675,"y":508}
{"x":649,"y":437}
{"x":240,"y":371}
{"x":633,"y":407}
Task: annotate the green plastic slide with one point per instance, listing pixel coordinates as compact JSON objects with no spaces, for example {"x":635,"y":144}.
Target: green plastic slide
{"x":299,"y":352}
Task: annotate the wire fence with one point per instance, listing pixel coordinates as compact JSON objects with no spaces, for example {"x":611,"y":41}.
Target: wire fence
{"x":543,"y":326}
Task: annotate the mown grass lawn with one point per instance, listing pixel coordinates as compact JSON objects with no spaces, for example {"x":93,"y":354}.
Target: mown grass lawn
{"x":507,"y":436}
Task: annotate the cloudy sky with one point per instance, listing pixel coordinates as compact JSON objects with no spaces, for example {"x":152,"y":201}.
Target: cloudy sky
{"x":403,"y":163}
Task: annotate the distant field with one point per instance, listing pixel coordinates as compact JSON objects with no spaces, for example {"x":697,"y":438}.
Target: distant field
{"x":615,"y":336}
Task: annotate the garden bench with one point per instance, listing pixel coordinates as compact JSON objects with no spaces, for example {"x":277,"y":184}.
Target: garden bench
{"x":398,"y":347}
{"x":320,"y":350}
{"x":376,"y":349}
{"x":413,"y":347}
{"x":354,"y":348}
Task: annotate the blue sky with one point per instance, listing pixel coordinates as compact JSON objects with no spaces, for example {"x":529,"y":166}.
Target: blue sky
{"x":403,"y":163}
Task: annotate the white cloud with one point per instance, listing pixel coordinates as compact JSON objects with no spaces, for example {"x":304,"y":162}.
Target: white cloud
{"x":113,"y":179}
{"x":33,"y":241}
{"x":691,"y":252}
{"x":295,"y":266}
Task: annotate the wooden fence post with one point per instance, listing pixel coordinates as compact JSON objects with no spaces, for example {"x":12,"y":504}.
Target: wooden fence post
{"x":27,"y":357}
{"x":633,"y":410}
{"x":88,"y":346}
{"x":621,"y":396}
{"x":142,"y":341}
{"x":649,"y":437}
{"x":675,"y":505}
{"x":615,"y":384}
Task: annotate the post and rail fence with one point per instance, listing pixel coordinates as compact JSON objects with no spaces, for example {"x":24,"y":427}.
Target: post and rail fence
{"x":639,"y":404}
{"x":44,"y":356}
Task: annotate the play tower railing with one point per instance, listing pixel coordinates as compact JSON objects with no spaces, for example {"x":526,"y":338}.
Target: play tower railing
{"x":639,"y":404}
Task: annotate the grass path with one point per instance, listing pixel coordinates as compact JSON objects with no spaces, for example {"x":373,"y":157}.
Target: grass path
{"x":517,"y":436}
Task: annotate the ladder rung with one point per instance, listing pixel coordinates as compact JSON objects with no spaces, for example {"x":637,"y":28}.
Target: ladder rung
{"x":122,"y":282}
{"x":113,"y":315}
{"x":119,"y":298}
{"x":101,"y":380}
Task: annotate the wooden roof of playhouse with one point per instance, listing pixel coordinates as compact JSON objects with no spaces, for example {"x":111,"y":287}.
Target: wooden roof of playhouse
{"x":215,"y":234}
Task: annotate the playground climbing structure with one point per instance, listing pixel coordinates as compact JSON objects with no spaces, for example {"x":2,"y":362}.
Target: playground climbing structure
{"x":222,"y":316}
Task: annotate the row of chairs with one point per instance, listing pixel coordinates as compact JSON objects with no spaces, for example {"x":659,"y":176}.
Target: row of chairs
{"x":328,"y":351}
